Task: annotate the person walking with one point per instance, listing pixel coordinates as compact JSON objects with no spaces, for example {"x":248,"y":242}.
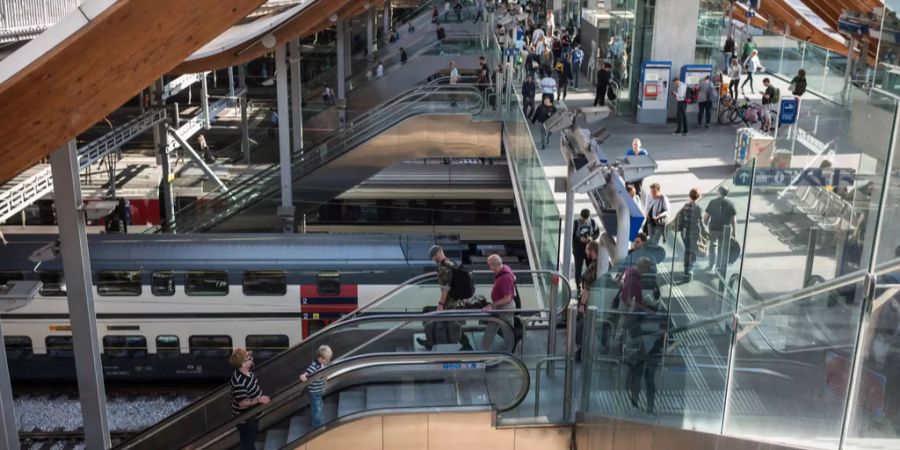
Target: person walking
{"x":577,"y":60}
{"x":503,"y":295}
{"x":679,"y":91}
{"x":379,"y":71}
{"x":458,"y":9}
{"x":690,"y":224}
{"x":734,"y":78}
{"x":316,"y":388}
{"x":245,"y":394}
{"x":441,"y":35}
{"x":529,"y":89}
{"x":748,"y":49}
{"x":658,"y":207}
{"x":770,"y":101}
{"x":604,"y":76}
{"x":541,"y":114}
{"x":728,"y":50}
{"x":719,"y":214}
{"x":564,"y":73}
{"x":434,"y":14}
{"x":548,"y":86}
{"x":798,"y":83}
{"x":328,"y":95}
{"x":636,"y":150}
{"x":752,"y":65}
{"x":705,"y":94}
{"x":479,"y":10}
{"x":585,"y":230}
{"x":403,"y":56}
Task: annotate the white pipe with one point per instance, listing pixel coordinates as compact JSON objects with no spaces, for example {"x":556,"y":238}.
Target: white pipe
{"x":623,"y":218}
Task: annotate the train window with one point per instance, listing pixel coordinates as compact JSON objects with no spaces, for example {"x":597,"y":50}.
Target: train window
{"x":119,"y":283}
{"x":210,"y":346}
{"x":265,"y":282}
{"x":162,"y":283}
{"x":60,"y":347}
{"x":54,"y":284}
{"x":265,"y":346}
{"x":18,"y":347}
{"x":168,"y":347}
{"x":329,"y":283}
{"x":125,"y":346}
{"x":11,"y":276}
{"x":212,"y":282}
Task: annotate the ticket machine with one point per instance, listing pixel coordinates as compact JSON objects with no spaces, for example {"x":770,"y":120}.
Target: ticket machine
{"x":653,"y":97}
{"x":692,"y":75}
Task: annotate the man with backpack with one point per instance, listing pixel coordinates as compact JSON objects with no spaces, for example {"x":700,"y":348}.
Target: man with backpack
{"x":457,"y":286}
{"x":503,"y":297}
{"x":771,"y":98}
{"x":584,"y":231}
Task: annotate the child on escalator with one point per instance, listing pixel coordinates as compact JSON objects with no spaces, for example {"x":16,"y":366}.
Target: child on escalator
{"x":317,"y":387}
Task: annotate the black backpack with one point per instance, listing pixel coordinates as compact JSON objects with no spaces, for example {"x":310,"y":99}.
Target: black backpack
{"x":462,"y":285}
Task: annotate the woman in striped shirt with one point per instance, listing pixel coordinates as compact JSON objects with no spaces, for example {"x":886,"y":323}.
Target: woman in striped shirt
{"x":317,"y":387}
{"x":245,"y":394}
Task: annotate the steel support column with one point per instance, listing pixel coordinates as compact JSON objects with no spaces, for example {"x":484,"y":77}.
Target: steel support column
{"x":231,"y":81}
{"x":341,"y":60}
{"x":296,"y":98}
{"x":284,"y":137}
{"x":568,"y":225}
{"x":370,"y":34}
{"x":77,"y":275}
{"x":204,"y":102}
{"x":245,"y":123}
{"x":161,"y":143}
{"x":386,"y":25}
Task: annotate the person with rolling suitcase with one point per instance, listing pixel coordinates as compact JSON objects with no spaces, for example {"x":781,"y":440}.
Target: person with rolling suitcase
{"x":457,"y":286}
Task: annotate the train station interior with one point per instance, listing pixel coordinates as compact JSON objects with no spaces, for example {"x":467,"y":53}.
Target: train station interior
{"x":432,"y":224}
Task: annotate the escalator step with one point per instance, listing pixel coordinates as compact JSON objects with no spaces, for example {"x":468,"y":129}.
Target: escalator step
{"x":275,"y":439}
{"x":381,"y":395}
{"x":351,"y":402}
{"x":436,"y":394}
{"x":298,"y":427}
{"x":472,"y":392}
{"x":330,"y":409}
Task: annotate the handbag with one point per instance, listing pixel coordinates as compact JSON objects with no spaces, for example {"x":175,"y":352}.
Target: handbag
{"x":611,"y":93}
{"x":703,"y":243}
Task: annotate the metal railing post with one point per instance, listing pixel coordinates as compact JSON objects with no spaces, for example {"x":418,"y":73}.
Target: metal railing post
{"x":569,"y":387}
{"x":587,"y":356}
{"x":552,"y":310}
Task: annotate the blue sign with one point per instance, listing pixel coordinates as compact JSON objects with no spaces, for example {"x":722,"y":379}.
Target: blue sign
{"x":788,"y":113}
{"x":512,"y":52}
{"x":786,"y":177}
{"x":455,"y":366}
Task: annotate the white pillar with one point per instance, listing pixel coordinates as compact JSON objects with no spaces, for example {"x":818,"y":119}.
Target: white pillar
{"x":245,"y":123}
{"x":296,"y":97}
{"x":284,"y":132}
{"x":341,"y":59}
{"x":79,"y":294}
{"x":204,"y":101}
{"x":370,"y":33}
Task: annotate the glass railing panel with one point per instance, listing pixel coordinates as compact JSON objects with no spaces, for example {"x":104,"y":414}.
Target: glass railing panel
{"x":875,"y":413}
{"x":792,"y":367}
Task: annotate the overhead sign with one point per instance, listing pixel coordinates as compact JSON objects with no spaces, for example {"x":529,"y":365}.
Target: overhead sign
{"x":787,"y":115}
{"x":787,"y":177}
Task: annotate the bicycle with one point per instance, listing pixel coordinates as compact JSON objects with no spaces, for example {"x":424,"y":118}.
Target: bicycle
{"x":735,"y":112}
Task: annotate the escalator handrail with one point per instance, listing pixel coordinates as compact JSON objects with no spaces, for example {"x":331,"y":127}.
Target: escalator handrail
{"x":402,"y":319}
{"x":406,"y":103}
{"x":341,"y":367}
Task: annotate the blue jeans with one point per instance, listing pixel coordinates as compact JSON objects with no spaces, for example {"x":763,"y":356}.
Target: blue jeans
{"x":576,"y":67}
{"x":315,"y":406}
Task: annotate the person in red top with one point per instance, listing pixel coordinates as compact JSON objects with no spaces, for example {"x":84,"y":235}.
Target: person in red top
{"x":632,"y":296}
{"x":502,"y":297}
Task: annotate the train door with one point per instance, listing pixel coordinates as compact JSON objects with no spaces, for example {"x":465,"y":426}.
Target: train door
{"x":326,"y":301}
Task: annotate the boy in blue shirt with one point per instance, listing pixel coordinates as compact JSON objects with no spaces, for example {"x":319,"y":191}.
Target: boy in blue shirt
{"x":317,"y":387}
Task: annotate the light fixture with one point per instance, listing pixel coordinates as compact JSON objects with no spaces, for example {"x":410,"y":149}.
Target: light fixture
{"x":333,"y":18}
{"x":269,"y":41}
{"x":367,"y":5}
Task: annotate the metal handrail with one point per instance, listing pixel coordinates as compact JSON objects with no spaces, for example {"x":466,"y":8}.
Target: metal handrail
{"x":297,"y":390}
{"x":537,"y":379}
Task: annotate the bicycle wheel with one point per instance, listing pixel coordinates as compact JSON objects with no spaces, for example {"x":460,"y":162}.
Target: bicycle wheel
{"x":735,"y":116}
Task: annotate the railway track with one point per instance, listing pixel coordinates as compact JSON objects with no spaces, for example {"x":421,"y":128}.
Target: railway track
{"x":61,"y":440}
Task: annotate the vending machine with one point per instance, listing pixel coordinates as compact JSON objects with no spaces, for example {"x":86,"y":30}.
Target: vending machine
{"x":653,"y":96}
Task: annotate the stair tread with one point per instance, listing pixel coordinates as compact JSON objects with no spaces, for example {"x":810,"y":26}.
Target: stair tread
{"x":275,"y":439}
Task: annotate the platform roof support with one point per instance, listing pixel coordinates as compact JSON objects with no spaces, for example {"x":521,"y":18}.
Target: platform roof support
{"x":196,"y":157}
{"x":370,"y":33}
{"x":77,"y":273}
{"x":341,"y":59}
{"x":245,"y":120}
{"x":296,"y":97}
{"x":161,"y":143}
{"x":387,"y":19}
{"x":284,"y":138}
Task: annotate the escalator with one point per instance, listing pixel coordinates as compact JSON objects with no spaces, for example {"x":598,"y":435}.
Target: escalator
{"x":379,"y":366}
{"x":429,"y":121}
{"x":384,"y":383}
